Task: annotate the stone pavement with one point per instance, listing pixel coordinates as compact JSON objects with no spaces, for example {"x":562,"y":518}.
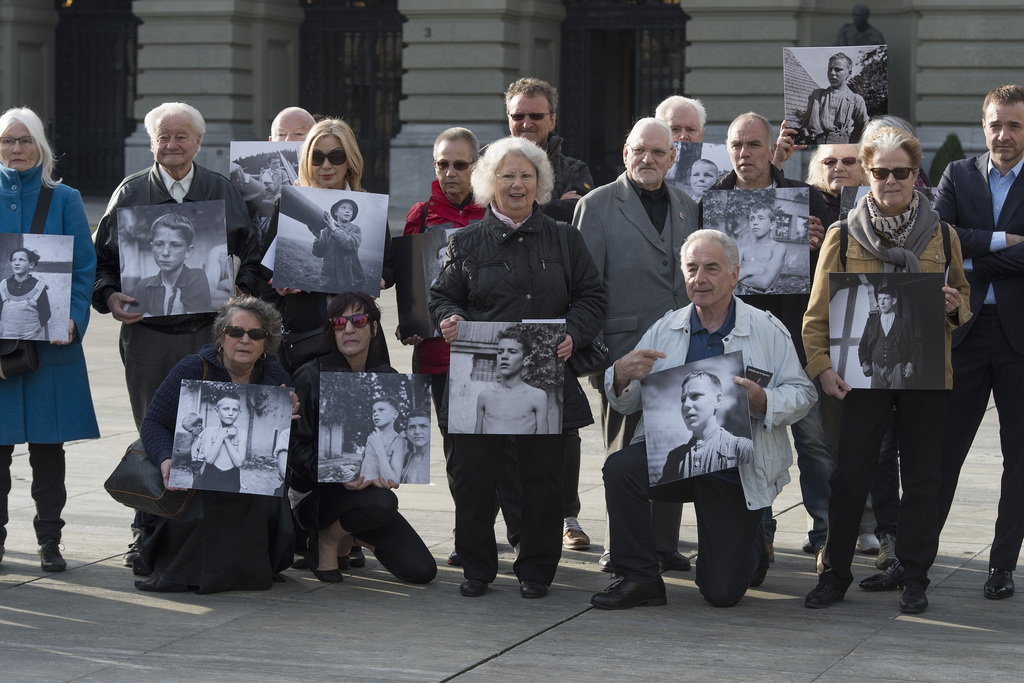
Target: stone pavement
{"x":91,"y":624}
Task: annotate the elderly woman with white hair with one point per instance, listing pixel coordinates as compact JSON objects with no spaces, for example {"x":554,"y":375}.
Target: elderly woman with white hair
{"x":891,"y":230}
{"x":36,"y":405}
{"x":512,"y":266}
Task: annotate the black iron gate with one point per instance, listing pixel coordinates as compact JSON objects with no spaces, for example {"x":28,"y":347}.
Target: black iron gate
{"x":619,"y":59}
{"x":351,"y":67}
{"x":96,"y":43}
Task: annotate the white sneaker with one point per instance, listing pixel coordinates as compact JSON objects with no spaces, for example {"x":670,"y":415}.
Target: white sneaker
{"x":867,"y":543}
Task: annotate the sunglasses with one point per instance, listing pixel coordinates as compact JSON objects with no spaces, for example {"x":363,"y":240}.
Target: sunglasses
{"x":457,"y":165}
{"x":256,"y":334}
{"x":901,"y":173}
{"x":534,"y":116}
{"x":358,"y":320}
{"x":847,"y":161}
{"x":336,"y":156}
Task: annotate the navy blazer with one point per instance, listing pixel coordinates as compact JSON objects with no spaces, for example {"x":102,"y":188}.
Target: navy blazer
{"x":964,"y":199}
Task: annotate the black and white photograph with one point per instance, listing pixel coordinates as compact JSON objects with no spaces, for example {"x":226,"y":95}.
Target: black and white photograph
{"x":231,"y":437}
{"x":506,"y":378}
{"x":330,"y":240}
{"x":832,"y":92}
{"x":259,"y":170}
{"x":35,"y":285}
{"x":850,"y":195}
{"x":887,"y":330}
{"x":696,"y":418}
{"x":770,"y":229}
{"x":174,"y":258}
{"x":418,"y":260}
{"x":698,"y":166}
{"x":374,"y":426}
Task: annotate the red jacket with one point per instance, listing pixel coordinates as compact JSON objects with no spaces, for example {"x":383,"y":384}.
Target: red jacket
{"x":432,"y":354}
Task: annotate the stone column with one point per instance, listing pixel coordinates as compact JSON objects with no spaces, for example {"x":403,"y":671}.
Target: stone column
{"x":459,"y":58}
{"x":26,"y":55}
{"x":236,"y":61}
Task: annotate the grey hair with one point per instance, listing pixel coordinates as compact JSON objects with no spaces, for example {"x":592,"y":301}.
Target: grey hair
{"x":646,"y":123}
{"x":158,"y":114}
{"x":673,"y":101}
{"x":485,"y":174}
{"x":816,"y":176}
{"x":269,"y":317}
{"x":457,"y":134}
{"x":887,"y":140}
{"x":887,"y":121}
{"x":728,"y":244}
{"x":31,"y":120}
{"x":768,"y":130}
{"x":288,"y":111}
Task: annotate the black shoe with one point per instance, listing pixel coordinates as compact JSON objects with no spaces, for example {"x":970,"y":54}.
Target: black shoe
{"x":328,"y":575}
{"x":157,"y":585}
{"x":760,"y":574}
{"x":128,"y":559}
{"x":823,"y":595}
{"x":673,"y":561}
{"x":140,"y":568}
{"x":912,"y":597}
{"x":1,"y":553}
{"x":356,"y":558}
{"x":885,"y":581}
{"x":999,"y":584}
{"x":886,"y":552}
{"x":532,"y":589}
{"x":623,"y":594}
{"x":50,"y":559}
{"x":606,"y":562}
{"x":453,"y":559}
{"x":473,"y":588}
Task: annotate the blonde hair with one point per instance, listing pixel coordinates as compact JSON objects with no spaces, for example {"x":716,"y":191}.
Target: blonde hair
{"x":31,"y":120}
{"x":887,"y":140}
{"x":342,"y":131}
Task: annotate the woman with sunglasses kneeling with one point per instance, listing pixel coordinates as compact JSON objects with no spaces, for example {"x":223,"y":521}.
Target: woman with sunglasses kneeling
{"x":364,"y":511}
{"x":223,"y":541}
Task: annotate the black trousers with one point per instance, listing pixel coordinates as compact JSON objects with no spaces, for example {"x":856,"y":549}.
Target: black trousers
{"x":986,"y":362}
{"x":863,"y":420}
{"x":475,"y":467}
{"x":730,"y":537}
{"x":48,"y":492}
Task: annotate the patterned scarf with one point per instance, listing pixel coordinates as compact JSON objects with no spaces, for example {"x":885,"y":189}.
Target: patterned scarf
{"x":895,"y":228}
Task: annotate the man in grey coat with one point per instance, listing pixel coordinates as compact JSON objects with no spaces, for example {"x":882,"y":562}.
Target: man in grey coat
{"x":634,"y":228}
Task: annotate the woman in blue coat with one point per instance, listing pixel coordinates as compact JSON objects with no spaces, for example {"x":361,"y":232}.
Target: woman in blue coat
{"x":51,"y":405}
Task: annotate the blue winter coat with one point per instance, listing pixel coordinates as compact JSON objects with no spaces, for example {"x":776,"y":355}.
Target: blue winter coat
{"x":52,"y":404}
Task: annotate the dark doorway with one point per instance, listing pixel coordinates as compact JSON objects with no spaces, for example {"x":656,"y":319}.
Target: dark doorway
{"x":96,"y":43}
{"x":351,"y":67}
{"x":619,"y":59}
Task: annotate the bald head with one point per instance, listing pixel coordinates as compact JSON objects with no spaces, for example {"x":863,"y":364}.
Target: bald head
{"x":291,"y":124}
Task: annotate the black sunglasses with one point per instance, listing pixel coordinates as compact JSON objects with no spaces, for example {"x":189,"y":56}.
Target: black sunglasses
{"x":336,"y":156}
{"x":357,"y":319}
{"x":901,"y":173}
{"x":457,"y":165}
{"x":256,"y":334}
{"x":534,"y":116}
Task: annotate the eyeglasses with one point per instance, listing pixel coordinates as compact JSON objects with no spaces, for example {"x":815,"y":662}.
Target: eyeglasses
{"x":509,"y":178}
{"x":847,"y":161}
{"x":534,"y":116}
{"x":256,"y":334}
{"x":457,"y":165}
{"x":8,"y":143}
{"x":336,"y":156}
{"x":641,"y":152}
{"x":901,"y":173}
{"x":358,"y":320}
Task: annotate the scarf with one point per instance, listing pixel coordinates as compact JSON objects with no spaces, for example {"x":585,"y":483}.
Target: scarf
{"x":896,"y":241}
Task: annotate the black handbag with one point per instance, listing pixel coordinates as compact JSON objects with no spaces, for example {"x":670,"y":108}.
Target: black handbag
{"x":139,"y":484}
{"x":591,"y":359}
{"x":18,"y":356}
{"x":299,"y":347}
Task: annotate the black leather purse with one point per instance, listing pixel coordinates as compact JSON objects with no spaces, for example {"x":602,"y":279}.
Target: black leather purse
{"x":139,"y":484}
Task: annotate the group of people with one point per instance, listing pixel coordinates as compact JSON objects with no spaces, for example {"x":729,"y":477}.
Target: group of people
{"x":626,"y":263}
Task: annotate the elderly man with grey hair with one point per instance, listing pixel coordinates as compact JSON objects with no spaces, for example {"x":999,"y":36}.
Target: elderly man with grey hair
{"x":728,"y":503}
{"x":291,"y":123}
{"x":150,"y":347}
{"x":685,"y":117}
{"x":634,"y":228}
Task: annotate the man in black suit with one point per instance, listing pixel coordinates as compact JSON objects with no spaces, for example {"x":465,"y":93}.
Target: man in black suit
{"x":984,"y":198}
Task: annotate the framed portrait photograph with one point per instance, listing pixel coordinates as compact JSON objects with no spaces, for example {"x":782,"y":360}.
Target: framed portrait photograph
{"x":174,"y":258}
{"x":770,"y":229}
{"x":506,"y":378}
{"x":832,"y":92}
{"x":696,"y":419}
{"x":35,"y":285}
{"x":698,"y":166}
{"x":231,"y":437}
{"x":374,"y":425}
{"x":259,"y":170}
{"x":330,"y":240}
{"x":887,"y":330}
